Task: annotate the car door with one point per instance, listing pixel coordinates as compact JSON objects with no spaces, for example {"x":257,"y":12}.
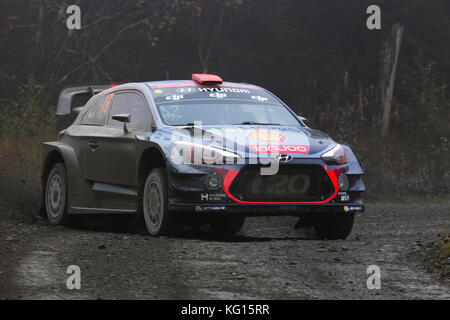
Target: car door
{"x":114,"y":152}
{"x":85,"y":129}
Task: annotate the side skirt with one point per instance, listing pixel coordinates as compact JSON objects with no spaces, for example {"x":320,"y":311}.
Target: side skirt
{"x":109,"y":198}
{"x":81,"y":210}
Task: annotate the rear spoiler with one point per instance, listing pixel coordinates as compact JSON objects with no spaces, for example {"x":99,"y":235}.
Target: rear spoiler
{"x":73,"y":98}
{"x":65,"y":100}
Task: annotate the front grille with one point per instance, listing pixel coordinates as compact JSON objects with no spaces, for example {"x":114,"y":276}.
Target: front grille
{"x":292,"y":183}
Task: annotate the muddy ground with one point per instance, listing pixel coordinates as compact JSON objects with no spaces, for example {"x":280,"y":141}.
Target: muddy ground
{"x":269,"y":259}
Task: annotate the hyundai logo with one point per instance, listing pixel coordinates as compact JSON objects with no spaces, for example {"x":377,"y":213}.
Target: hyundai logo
{"x":283,"y":157}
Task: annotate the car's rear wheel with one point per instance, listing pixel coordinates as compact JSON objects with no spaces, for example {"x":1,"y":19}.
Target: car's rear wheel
{"x":56,"y":195}
{"x":227,"y":225}
{"x":158,"y":219}
{"x":334,"y":226}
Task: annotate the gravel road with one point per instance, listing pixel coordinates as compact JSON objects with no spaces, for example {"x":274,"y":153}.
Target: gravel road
{"x":269,"y":259}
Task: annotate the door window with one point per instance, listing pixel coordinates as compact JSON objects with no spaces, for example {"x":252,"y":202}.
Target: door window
{"x":95,"y":114}
{"x":136,"y":106}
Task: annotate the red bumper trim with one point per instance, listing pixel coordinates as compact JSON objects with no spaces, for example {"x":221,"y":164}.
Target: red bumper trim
{"x":230,"y":175}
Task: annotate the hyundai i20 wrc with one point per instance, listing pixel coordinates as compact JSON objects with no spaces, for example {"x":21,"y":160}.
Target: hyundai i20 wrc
{"x":200,"y":150}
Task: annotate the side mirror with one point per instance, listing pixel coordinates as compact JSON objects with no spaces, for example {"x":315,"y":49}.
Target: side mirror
{"x":124,"y":117}
{"x":302,"y":118}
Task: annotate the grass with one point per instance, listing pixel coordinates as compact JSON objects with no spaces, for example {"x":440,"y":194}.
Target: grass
{"x":20,"y":170}
{"x":18,"y":153}
{"x":441,"y":258}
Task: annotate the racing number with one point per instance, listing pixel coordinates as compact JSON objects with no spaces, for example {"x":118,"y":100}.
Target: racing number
{"x":107,"y":102}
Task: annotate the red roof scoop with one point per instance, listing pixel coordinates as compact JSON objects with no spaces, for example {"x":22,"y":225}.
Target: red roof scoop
{"x":206,"y":79}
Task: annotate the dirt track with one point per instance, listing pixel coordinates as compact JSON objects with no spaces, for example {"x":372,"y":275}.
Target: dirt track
{"x":268,"y":260}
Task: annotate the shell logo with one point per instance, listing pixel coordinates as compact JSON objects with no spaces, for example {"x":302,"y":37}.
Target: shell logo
{"x":267,"y":136}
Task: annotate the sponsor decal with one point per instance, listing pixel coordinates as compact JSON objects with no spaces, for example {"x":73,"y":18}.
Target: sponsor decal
{"x":229,"y":90}
{"x":212,"y":196}
{"x":158,"y":91}
{"x":185,"y":90}
{"x":345,"y":197}
{"x":259,"y":98}
{"x":218,"y":95}
{"x":174,"y":97}
{"x":293,"y":149}
{"x":352,"y":208}
{"x":267,"y":136}
{"x":209,"y":208}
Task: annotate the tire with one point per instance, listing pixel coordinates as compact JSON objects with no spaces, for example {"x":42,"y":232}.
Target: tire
{"x":334,"y":226}
{"x":227,"y":225}
{"x":55,"y":196}
{"x":158,"y":219}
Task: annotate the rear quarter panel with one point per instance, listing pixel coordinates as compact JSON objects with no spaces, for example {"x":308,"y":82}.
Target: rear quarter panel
{"x":78,"y":190}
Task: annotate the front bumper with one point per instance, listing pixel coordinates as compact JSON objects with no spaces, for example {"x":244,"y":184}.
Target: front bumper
{"x":188,"y":193}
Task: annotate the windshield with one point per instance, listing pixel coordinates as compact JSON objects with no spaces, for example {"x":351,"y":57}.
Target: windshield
{"x":224,"y":105}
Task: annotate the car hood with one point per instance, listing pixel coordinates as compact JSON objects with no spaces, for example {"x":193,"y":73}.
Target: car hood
{"x":249,"y":141}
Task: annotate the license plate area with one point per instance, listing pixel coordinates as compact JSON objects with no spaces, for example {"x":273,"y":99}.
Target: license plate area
{"x":294,"y":183}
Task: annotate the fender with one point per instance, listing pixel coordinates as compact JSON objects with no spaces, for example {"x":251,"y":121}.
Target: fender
{"x":355,"y":166}
{"x":355,"y":171}
{"x":79,"y":189}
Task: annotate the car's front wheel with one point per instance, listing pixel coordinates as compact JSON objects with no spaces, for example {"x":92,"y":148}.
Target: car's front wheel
{"x":158,"y":219}
{"x":334,"y":226}
{"x":56,"y":195}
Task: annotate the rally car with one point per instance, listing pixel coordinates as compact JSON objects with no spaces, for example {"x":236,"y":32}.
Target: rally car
{"x":203,"y":150}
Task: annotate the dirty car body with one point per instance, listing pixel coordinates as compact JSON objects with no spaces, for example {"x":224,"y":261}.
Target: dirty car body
{"x":198,"y":149}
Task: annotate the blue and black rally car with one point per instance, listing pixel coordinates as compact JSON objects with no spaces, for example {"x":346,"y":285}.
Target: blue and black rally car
{"x":200,"y":150}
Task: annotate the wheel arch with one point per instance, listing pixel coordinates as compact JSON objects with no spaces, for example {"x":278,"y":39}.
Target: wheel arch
{"x":150,"y":158}
{"x":51,"y":158}
{"x":57,"y":151}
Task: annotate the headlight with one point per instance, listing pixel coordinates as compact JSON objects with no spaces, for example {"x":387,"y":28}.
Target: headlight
{"x":336,"y":155}
{"x":197,"y":153}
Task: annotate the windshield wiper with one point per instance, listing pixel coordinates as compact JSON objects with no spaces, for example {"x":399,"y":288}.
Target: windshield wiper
{"x":258,"y":123}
